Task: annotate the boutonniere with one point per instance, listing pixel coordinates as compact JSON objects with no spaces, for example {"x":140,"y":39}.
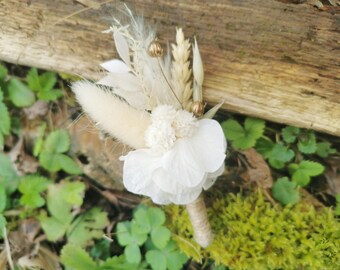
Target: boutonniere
{"x":151,"y":99}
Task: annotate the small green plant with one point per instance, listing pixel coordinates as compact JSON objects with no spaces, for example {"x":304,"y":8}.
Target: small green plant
{"x":31,"y":187}
{"x":52,"y":153}
{"x":76,"y":258}
{"x":147,"y":227}
{"x":145,"y":231}
{"x":302,"y":172}
{"x":43,"y":85}
{"x":61,"y":199}
{"x":285,"y":191}
{"x":289,"y":155}
{"x":19,"y":93}
{"x":243,"y":137}
{"x":277,"y":153}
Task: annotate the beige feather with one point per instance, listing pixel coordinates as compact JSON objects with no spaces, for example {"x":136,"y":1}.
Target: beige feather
{"x":112,"y":114}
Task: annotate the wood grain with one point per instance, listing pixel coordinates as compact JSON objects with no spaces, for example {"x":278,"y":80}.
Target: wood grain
{"x":266,"y":59}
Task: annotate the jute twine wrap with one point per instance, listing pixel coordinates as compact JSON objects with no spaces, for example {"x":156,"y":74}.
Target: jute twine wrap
{"x":200,"y":223}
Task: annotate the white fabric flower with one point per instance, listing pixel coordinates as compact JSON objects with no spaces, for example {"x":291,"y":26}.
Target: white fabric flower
{"x":178,"y":172}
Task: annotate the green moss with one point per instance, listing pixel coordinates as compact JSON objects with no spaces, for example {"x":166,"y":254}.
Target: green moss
{"x":250,"y":233}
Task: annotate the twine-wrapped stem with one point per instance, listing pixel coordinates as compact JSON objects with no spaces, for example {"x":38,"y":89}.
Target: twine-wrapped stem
{"x":200,"y":223}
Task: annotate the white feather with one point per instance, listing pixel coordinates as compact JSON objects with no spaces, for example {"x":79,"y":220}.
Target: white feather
{"x":112,"y":114}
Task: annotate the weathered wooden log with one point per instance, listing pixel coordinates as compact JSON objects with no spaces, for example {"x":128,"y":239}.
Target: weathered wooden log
{"x":267,"y":59}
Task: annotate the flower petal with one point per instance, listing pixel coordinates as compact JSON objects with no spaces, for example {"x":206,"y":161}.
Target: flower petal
{"x":190,"y":158}
{"x":124,"y":81}
{"x":211,"y":178}
{"x":115,"y":66}
{"x":138,"y":169}
{"x":209,"y":145}
{"x":179,"y":162}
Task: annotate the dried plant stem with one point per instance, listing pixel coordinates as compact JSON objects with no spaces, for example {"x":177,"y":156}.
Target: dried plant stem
{"x":200,"y":223}
{"x":8,"y":249}
{"x":180,"y":70}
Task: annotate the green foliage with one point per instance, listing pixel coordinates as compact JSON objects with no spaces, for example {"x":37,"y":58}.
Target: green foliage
{"x":165,"y":258}
{"x":5,"y":123}
{"x":43,"y":84}
{"x":61,"y":199}
{"x":52,"y":157}
{"x":101,"y":249}
{"x":3,"y":199}
{"x":290,"y":134}
{"x":277,"y":154}
{"x":147,"y":222}
{"x":3,"y":72}
{"x":243,"y":137}
{"x":302,"y":172}
{"x":251,"y":233}
{"x":147,"y":228}
{"x":39,"y":141}
{"x":133,"y":235}
{"x":285,"y":191}
{"x":31,"y":186}
{"x":76,"y":258}
{"x":324,"y":149}
{"x":307,"y":143}
{"x":8,"y":176}
{"x":20,"y":94}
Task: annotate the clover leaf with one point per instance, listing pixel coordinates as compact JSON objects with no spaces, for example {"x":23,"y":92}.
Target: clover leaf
{"x":167,"y":258}
{"x":243,"y":137}
{"x":152,"y":220}
{"x":285,"y":191}
{"x":131,"y":240}
{"x":302,"y":172}
{"x":31,"y":186}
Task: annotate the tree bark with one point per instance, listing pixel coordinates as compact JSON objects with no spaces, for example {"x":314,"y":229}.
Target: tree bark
{"x":266,"y":59}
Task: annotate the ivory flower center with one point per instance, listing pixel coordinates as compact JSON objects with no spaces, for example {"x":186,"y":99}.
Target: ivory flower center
{"x":168,"y":125}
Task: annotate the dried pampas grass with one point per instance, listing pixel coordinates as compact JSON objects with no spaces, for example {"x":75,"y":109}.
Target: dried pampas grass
{"x":112,"y":114}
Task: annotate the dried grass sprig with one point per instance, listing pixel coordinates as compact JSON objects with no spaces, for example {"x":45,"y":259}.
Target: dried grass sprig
{"x":180,"y":71}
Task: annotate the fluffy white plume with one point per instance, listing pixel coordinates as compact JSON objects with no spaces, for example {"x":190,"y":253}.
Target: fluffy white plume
{"x":112,"y":114}
{"x":153,"y":74}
